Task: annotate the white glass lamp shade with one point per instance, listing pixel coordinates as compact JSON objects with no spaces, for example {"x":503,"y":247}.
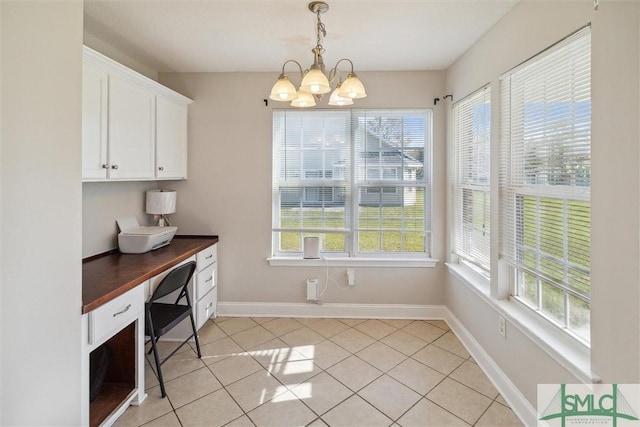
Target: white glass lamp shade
{"x":352,"y":88}
{"x":338,"y":100}
{"x":315,"y":82}
{"x":283,"y":90}
{"x":304,"y":100}
{"x":161,"y":202}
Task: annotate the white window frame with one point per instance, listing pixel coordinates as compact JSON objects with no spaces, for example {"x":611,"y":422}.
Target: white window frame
{"x":413,"y":259}
{"x":472,"y":148}
{"x":516,"y":183}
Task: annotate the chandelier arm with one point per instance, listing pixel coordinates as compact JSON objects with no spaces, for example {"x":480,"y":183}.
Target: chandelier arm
{"x":295,"y":62}
{"x":344,"y":59}
{"x":332,"y":74}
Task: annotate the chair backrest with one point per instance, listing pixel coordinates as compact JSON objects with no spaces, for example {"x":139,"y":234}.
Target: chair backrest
{"x":178,"y":278}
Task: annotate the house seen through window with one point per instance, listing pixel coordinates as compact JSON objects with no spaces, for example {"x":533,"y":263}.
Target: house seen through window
{"x":357,"y":179}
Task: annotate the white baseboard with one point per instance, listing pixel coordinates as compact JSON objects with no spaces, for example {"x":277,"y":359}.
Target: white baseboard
{"x":519,"y":404}
{"x":335,"y":310}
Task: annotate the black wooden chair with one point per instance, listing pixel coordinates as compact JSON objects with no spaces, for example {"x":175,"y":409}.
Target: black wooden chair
{"x":162,"y":317}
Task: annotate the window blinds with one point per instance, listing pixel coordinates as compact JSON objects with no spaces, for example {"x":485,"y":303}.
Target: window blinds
{"x":311,"y":158}
{"x":357,"y":179}
{"x":392,"y":177}
{"x":472,"y":137}
{"x":545,"y":179}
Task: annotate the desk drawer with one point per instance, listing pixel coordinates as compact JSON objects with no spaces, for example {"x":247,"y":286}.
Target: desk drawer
{"x":207,"y":256}
{"x":206,"y":308}
{"x":108,"y":319}
{"x":206,"y":281}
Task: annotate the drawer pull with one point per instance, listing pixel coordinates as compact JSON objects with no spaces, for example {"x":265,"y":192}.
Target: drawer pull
{"x":210,"y":256}
{"x":124,"y":310}
{"x":209,"y":279}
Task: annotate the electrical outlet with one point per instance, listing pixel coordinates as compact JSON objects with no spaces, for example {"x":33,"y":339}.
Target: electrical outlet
{"x":502,"y":326}
{"x":312,"y":289}
{"x":351,"y":276}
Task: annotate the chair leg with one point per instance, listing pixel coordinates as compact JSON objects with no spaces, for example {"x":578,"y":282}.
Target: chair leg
{"x":155,"y":356}
{"x":195,"y":335}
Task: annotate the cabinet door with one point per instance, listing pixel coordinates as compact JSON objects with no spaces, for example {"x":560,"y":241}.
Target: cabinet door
{"x":94,"y":123}
{"x":171,"y":139}
{"x":131,"y":131}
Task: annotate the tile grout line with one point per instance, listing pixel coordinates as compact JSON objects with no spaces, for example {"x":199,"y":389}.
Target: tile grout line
{"x":289,"y":387}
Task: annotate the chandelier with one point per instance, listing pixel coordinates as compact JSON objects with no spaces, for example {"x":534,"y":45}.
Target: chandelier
{"x":315,"y":81}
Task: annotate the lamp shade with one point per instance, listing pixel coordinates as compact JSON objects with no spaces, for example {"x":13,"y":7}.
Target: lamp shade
{"x":338,"y":100}
{"x":303,"y":100}
{"x":352,"y":88}
{"x":283,"y":90}
{"x":315,"y":82}
{"x":161,"y":202}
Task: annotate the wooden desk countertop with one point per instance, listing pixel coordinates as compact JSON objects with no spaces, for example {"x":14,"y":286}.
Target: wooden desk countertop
{"x":104,"y":277}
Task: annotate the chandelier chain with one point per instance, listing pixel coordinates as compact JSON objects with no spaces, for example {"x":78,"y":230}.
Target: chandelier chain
{"x":320,"y":29}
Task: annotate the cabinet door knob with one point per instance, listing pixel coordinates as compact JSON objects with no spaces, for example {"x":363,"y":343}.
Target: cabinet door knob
{"x":105,"y":166}
{"x":114,"y":166}
{"x":161,"y":168}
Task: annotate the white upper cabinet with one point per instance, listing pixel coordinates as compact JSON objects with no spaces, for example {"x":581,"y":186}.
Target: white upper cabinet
{"x":134,"y":129}
{"x":94,"y":122}
{"x":131,"y":131}
{"x":171,"y":139}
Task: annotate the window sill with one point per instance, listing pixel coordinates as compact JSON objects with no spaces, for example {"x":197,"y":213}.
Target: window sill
{"x":570,"y":353}
{"x":352,"y":262}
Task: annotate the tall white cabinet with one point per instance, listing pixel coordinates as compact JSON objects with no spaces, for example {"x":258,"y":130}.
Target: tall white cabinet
{"x":134,"y":129}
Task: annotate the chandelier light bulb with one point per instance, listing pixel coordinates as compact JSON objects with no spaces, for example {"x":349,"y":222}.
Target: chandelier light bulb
{"x":352,"y":88}
{"x":315,"y":82}
{"x":338,"y":100}
{"x":283,"y":90}
{"x":304,"y":100}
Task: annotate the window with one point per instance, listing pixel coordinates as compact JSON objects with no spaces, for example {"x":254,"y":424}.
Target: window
{"x":359,"y":180}
{"x":545,"y":181}
{"x":471,"y":127}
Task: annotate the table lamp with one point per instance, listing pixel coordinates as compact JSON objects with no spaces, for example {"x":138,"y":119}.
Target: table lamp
{"x":161,"y":203}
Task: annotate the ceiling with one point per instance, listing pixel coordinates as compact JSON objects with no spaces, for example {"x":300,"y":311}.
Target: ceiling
{"x":259,"y":35}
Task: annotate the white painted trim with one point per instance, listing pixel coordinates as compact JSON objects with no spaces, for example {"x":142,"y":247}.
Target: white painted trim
{"x":331,"y":310}
{"x":352,"y":262}
{"x":570,"y":353}
{"x":519,"y":404}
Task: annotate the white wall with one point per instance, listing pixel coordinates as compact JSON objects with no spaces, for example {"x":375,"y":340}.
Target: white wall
{"x":527,"y":29}
{"x":41,"y":212}
{"x":102,"y":204}
{"x":229,"y":187}
{"x":117,"y":55}
{"x":1,"y":224}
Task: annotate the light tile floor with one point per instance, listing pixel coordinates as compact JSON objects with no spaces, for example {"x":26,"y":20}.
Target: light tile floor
{"x":319,"y":372}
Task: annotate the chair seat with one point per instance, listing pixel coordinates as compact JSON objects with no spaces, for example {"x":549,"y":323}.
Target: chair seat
{"x":166,"y":316}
